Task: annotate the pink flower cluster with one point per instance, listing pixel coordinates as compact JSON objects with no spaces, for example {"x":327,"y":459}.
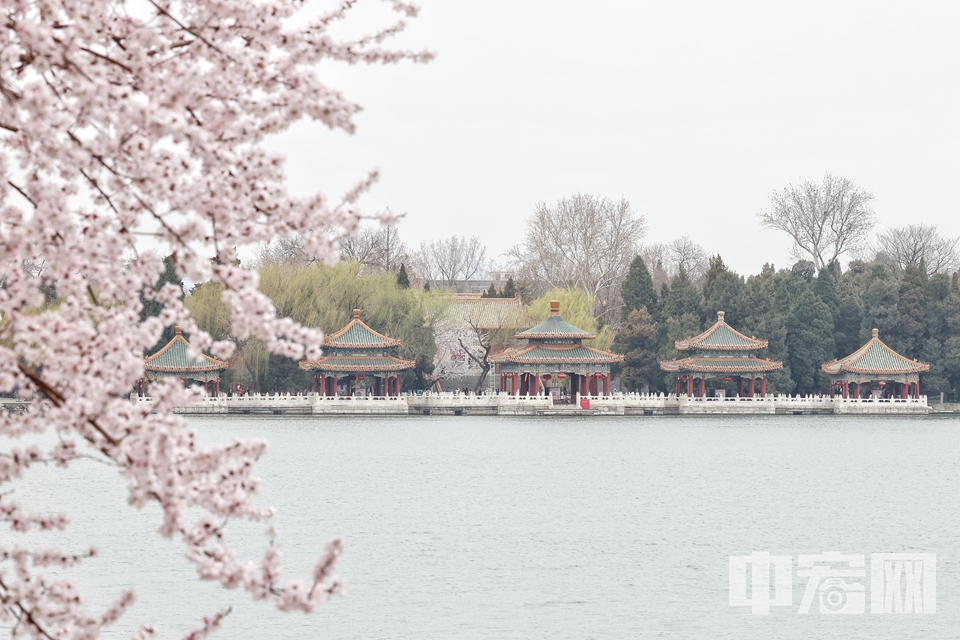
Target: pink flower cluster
{"x":122,"y":130}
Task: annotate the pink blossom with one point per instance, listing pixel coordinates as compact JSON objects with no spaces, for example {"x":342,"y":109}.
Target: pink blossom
{"x":115,"y":127}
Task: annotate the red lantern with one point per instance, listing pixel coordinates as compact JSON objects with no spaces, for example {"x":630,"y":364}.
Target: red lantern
{"x":361,"y":377}
{"x":561,"y":375}
{"x":727,"y":378}
{"x":882,"y":383}
{"x":547,"y":377}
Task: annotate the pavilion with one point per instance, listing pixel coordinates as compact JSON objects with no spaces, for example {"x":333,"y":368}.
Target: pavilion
{"x":875,"y":364}
{"x":173,"y":360}
{"x":721,"y":351}
{"x":554,"y":358}
{"x":358,"y":361}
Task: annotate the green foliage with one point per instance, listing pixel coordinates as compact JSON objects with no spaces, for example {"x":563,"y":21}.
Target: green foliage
{"x":323,"y":297}
{"x":809,"y":342}
{"x":710,"y":278}
{"x":638,"y":291}
{"x":403,"y":280}
{"x":880,"y":307}
{"x":911,"y":304}
{"x":576,"y":307}
{"x":637,"y":341}
{"x":726,"y":294}
{"x":682,"y":297}
{"x":152,"y":308}
{"x":509,"y":289}
{"x":426,"y":287}
{"x":491,"y":292}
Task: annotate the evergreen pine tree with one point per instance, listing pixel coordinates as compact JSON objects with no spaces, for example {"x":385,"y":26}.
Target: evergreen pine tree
{"x":491,"y":292}
{"x":403,"y":281}
{"x":637,"y":290}
{"x":426,"y":287}
{"x":509,"y":289}
{"x":726,"y":294}
{"x":637,"y":341}
{"x":809,"y":342}
{"x":716,"y":268}
{"x":681,"y":298}
{"x":880,"y":309}
{"x":911,"y":303}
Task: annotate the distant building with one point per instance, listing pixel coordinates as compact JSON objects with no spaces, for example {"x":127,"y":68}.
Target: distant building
{"x":358,"y":361}
{"x":723,"y":352}
{"x":174,"y":361}
{"x":460,"y":321}
{"x":876,"y":369}
{"x":555,"y":361}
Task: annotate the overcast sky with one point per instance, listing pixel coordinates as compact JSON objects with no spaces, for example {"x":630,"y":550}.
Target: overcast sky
{"x":693,"y":111}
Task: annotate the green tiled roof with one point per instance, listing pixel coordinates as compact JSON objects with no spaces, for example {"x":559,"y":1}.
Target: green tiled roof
{"x":875,"y":358}
{"x":554,"y":327}
{"x":173,"y":358}
{"x":721,"y":365}
{"x":721,"y":337}
{"x":558,"y":354}
{"x":357,"y":364}
{"x":357,"y":334}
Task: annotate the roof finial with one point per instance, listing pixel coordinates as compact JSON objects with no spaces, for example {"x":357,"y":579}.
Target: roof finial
{"x":720,"y":315}
{"x":554,"y":307}
{"x":179,"y":332}
{"x":356,"y":314}
{"x":876,"y":333}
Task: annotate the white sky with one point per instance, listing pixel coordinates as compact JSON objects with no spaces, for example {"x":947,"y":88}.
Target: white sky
{"x":693,"y":111}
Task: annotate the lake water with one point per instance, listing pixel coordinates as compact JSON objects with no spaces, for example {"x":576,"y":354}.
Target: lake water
{"x":484,"y":527}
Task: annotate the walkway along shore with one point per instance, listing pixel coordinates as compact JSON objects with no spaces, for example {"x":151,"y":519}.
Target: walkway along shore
{"x":507,"y":405}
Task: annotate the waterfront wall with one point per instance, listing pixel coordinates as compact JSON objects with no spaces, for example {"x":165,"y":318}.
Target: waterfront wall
{"x":503,"y":404}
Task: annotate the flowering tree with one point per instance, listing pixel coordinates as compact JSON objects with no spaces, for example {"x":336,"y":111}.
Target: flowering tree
{"x":119,"y":124}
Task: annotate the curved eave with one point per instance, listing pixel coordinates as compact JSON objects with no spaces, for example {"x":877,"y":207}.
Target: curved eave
{"x":560,"y":354}
{"x":204,"y":369}
{"x":528,"y":335}
{"x":834,"y":368}
{"x":696,"y":343}
{"x":721,"y":365}
{"x":850,"y":363}
{"x":332,"y":363}
{"x":383,"y":341}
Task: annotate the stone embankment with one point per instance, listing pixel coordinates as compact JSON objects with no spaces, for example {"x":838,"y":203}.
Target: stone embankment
{"x":506,"y":405}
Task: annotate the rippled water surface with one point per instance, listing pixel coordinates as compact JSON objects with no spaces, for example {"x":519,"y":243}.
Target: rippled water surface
{"x":482,"y":527}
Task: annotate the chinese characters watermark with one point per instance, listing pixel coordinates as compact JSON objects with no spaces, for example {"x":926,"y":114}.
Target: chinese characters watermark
{"x":836,"y":582}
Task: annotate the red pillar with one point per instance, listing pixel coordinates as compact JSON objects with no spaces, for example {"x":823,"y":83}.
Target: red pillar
{"x":584,"y":386}
{"x":903,"y":390}
{"x":606,"y":385}
{"x":678,"y":386}
{"x":703,"y":387}
{"x":739,"y":386}
{"x":833,"y":388}
{"x":534,"y":384}
{"x":515,"y":383}
{"x":753,"y":386}
{"x":316,"y":384}
{"x":763,"y":386}
{"x":690,"y":386}
{"x":918,"y":387}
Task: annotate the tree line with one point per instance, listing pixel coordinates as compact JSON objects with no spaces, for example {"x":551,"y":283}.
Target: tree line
{"x":642,"y":298}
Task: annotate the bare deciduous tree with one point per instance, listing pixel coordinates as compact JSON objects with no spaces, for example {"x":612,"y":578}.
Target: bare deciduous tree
{"x":377,"y":249}
{"x":584,"y":242}
{"x":901,"y":247}
{"x":825,"y":219}
{"x":280,"y":251}
{"x":450,"y":263}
